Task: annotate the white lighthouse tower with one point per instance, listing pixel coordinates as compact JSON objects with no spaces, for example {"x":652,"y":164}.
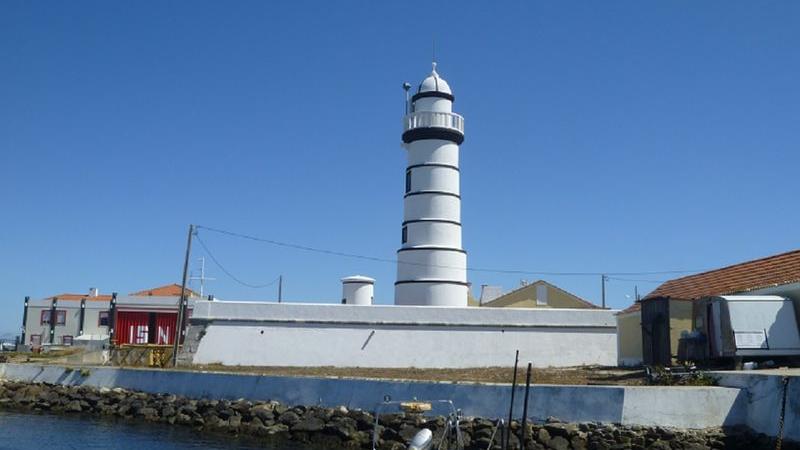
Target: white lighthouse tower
{"x":431,"y":268}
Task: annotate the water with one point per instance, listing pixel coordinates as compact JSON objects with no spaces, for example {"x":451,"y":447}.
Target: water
{"x":20,"y":431}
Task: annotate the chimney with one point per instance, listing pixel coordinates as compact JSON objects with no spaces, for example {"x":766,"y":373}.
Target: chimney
{"x":93,"y":292}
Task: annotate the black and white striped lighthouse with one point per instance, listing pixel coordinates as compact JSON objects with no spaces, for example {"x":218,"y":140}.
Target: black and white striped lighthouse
{"x":431,"y":269}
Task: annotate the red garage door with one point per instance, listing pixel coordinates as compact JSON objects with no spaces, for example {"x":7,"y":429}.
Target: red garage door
{"x":138,"y":327}
{"x":165,"y":328}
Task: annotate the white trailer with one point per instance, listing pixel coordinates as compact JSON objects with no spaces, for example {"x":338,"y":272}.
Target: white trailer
{"x":738,"y":326}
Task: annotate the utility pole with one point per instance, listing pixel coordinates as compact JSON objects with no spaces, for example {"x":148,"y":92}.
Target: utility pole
{"x":280,"y":288}
{"x":603,"y":279}
{"x":182,"y":301}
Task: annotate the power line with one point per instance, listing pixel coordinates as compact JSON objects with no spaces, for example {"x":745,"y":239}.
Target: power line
{"x":395,"y":261}
{"x":636,"y":280}
{"x":232,"y":276}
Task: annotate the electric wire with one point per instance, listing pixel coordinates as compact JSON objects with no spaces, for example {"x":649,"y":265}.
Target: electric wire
{"x":636,"y":280}
{"x":396,"y":261}
{"x":227,"y":272}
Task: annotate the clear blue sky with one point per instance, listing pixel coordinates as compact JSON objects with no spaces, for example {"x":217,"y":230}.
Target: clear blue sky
{"x":601,"y":136}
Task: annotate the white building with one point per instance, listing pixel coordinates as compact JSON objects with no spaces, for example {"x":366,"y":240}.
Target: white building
{"x":431,"y":269}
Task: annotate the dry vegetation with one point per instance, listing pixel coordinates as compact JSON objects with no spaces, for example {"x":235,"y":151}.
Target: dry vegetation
{"x":573,"y":376}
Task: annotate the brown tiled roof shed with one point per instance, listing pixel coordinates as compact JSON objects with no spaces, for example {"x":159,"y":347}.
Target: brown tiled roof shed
{"x":743,"y":277}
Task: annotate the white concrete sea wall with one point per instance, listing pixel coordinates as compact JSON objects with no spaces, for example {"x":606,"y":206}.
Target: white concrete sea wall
{"x":670,"y":406}
{"x":302,"y":335}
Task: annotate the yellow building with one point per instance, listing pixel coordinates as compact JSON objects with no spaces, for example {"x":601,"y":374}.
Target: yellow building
{"x":629,"y":336}
{"x":630,"y":342}
{"x":539,"y":294}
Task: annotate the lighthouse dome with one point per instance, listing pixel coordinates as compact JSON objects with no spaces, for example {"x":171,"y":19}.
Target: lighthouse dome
{"x":434,"y":86}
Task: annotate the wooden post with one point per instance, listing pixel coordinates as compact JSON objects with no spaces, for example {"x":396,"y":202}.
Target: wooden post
{"x":182,"y":303}
{"x":525,"y":406}
{"x":511,"y":408}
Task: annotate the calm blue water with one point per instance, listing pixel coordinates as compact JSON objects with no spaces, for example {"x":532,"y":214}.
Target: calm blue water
{"x":53,"y":432}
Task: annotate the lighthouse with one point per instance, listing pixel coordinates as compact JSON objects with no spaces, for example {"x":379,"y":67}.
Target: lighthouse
{"x":431,"y":263}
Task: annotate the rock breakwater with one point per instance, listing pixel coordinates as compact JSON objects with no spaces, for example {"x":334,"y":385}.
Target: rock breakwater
{"x":343,"y":428}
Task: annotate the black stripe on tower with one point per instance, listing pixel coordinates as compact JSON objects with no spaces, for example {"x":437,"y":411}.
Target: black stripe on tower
{"x":446,"y":166}
{"x":420,"y":95}
{"x":460,"y":283}
{"x":451,"y":222}
{"x":451,"y":194}
{"x":430,"y":247}
{"x":446,"y":134}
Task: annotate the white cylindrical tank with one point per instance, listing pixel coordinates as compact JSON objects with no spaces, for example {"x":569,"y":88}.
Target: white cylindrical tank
{"x":431,"y":263}
{"x":358,"y":290}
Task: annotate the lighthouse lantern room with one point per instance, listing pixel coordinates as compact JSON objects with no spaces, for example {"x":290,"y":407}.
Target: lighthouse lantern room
{"x":431,"y":268}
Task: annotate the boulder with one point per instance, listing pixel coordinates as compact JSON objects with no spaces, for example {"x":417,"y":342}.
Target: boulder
{"x":308,"y":424}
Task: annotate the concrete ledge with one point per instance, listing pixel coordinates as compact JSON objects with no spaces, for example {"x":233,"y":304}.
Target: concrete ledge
{"x":305,"y":335}
{"x":671,"y":407}
{"x":402,"y":315}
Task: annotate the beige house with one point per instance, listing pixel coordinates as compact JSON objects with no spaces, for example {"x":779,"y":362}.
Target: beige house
{"x":539,"y":294}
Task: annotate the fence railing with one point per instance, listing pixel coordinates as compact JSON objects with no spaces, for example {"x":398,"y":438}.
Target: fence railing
{"x":433,"y":119}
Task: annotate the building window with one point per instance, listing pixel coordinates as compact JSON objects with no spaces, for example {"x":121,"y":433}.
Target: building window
{"x":36,"y":340}
{"x":61,"y":317}
{"x":102,"y":319}
{"x":408,"y":181}
{"x":541,"y":295}
{"x":66,"y":340}
{"x":405,"y":235}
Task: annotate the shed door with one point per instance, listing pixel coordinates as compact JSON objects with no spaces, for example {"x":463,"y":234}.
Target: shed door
{"x":655,"y":332}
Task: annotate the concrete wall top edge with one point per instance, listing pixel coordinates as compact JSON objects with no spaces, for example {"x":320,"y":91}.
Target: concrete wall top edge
{"x":387,"y":314}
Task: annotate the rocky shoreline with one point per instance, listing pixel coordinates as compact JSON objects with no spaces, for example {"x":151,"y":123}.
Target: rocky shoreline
{"x":342,"y":428}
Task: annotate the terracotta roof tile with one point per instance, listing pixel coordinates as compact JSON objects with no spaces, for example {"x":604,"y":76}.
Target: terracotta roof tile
{"x":743,"y":277}
{"x":78,"y":297}
{"x":169,"y":290}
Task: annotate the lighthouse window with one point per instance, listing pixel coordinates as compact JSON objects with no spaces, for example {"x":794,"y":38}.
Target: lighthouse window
{"x":408,"y":181}
{"x":405,"y":235}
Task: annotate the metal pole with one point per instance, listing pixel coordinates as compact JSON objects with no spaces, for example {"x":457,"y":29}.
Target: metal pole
{"x":406,"y":87}
{"x":280,"y":288}
{"x":182,"y":302}
{"x":511,"y":408}
{"x":53,"y":318}
{"x":24,"y":320}
{"x":82,"y":317}
{"x":603,"y":283}
{"x":112,"y":319}
{"x":525,"y":406}
{"x":636,"y":292}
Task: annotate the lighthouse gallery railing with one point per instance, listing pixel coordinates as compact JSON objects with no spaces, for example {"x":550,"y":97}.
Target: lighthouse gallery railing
{"x":433,"y":119}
